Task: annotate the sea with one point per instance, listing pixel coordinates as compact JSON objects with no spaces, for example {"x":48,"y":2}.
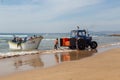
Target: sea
{"x":102,"y":38}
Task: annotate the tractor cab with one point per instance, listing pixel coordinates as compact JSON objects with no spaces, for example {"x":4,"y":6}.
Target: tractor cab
{"x":80,"y":34}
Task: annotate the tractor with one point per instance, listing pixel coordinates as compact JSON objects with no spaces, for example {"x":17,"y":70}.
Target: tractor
{"x":79,"y":39}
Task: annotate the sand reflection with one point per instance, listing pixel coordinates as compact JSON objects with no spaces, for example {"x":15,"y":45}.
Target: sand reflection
{"x":47,"y":60}
{"x":74,"y":55}
{"x":30,"y":60}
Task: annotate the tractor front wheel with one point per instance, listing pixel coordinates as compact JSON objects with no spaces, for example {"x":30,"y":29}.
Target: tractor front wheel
{"x":93,"y":45}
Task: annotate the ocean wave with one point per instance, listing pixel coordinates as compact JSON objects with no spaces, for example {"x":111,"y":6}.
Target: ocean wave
{"x":9,"y":36}
{"x":11,"y":54}
{"x":21,"y":35}
{"x":116,"y":44}
{"x":6,"y":35}
{"x":48,"y":39}
{"x":2,"y":40}
{"x":95,"y":36}
{"x":112,"y":44}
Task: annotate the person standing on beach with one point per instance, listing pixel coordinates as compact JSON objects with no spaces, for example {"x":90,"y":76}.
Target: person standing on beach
{"x":56,"y":44}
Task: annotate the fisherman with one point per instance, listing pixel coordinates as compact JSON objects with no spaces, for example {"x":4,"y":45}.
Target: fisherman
{"x":56,"y":44}
{"x":19,"y":42}
{"x":14,"y":40}
{"x":25,"y":39}
{"x":35,"y":36}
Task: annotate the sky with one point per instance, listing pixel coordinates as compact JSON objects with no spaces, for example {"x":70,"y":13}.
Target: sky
{"x":57,"y":16}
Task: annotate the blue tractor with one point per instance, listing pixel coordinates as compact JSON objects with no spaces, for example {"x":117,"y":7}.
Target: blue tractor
{"x":79,"y":39}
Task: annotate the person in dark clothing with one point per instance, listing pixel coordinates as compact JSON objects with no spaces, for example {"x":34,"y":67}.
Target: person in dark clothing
{"x":25,"y":39}
{"x":14,"y":40}
{"x":56,"y":44}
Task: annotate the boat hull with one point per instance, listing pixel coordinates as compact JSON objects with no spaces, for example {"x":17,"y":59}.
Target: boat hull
{"x":28,"y":45}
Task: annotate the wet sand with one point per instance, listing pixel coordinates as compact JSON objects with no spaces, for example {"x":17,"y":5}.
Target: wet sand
{"x":105,"y":66}
{"x":40,"y":60}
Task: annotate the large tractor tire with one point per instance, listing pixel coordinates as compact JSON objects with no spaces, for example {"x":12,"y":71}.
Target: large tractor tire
{"x":93,"y":45}
{"x":81,"y":44}
{"x":72,"y":43}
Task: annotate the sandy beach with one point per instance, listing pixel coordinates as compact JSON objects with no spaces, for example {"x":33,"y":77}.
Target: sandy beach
{"x":103,"y":66}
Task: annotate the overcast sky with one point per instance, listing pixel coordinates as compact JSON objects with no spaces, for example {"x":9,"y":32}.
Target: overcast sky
{"x":59,"y":15}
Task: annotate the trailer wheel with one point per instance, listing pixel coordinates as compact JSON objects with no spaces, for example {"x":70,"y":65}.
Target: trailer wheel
{"x":93,"y":45}
{"x":81,"y":44}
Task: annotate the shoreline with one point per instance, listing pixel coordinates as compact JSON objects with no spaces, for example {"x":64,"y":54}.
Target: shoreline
{"x":117,"y":35}
{"x":33,"y":52}
{"x":23,"y":53}
{"x":100,"y":66}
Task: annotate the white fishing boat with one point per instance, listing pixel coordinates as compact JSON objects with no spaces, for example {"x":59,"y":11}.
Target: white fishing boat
{"x":29,"y":44}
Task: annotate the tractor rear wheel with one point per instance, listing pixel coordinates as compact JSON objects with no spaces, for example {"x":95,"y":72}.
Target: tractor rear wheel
{"x":93,"y":45}
{"x":81,"y":44}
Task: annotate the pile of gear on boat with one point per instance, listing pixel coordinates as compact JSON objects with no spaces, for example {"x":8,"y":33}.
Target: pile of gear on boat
{"x":22,"y":40}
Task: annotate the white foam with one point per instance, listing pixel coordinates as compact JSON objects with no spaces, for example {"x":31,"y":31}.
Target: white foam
{"x":9,"y":36}
{"x":116,"y":44}
{"x":21,"y":35}
{"x":6,"y":35}
{"x":95,"y":36}
{"x":108,"y":45}
{"x":48,"y":39}
{"x":10,"y":54}
{"x":1,"y":40}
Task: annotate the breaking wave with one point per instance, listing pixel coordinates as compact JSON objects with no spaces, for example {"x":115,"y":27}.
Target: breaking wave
{"x":10,"y":36}
{"x":17,"y":53}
